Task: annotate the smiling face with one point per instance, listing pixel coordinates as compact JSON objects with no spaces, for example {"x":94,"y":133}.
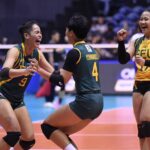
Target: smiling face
{"x":34,"y":37}
{"x":144,"y":23}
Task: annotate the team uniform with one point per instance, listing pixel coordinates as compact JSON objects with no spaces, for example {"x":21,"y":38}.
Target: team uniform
{"x":13,"y":89}
{"x":142,"y":77}
{"x":83,"y":62}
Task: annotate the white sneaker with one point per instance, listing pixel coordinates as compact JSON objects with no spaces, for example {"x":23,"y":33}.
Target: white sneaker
{"x":48,"y":104}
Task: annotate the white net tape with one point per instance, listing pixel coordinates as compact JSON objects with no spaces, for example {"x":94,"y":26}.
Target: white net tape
{"x":49,"y":47}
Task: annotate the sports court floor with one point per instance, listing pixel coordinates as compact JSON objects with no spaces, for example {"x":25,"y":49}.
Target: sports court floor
{"x":115,"y":129}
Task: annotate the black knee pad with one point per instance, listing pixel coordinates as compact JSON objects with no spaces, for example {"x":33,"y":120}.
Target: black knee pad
{"x":12,"y":138}
{"x":146,"y":128}
{"x":47,"y":129}
{"x":26,"y":145}
{"x":141,"y":131}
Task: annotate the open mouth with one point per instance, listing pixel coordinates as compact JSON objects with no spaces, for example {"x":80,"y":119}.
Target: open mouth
{"x":38,"y":42}
{"x":143,"y":28}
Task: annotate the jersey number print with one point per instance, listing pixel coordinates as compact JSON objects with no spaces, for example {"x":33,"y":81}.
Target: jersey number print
{"x":95,"y":71}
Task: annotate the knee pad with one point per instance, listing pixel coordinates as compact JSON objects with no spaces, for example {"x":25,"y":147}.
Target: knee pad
{"x":146,"y":128}
{"x":47,"y":130}
{"x":12,"y":138}
{"x":140,"y":131}
{"x":26,"y":145}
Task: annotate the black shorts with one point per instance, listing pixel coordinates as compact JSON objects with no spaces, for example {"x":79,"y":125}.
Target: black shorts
{"x":141,"y":87}
{"x":87,"y":106}
{"x":15,"y":104}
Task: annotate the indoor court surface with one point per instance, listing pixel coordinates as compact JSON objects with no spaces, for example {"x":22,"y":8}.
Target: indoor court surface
{"x":115,"y":129}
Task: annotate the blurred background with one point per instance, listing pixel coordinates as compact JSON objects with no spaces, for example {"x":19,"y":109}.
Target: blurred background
{"x":106,"y":17}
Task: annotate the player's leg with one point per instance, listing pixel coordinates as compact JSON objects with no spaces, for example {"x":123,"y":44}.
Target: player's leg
{"x":75,"y":128}
{"x":145,"y":117}
{"x":27,"y":139}
{"x":60,"y":118}
{"x":10,"y":123}
{"x":72,"y":114}
{"x":137,"y":104}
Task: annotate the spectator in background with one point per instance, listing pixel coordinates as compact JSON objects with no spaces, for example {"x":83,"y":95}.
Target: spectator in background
{"x":109,"y":38}
{"x":99,"y":24}
{"x":94,"y":37}
{"x":56,"y":58}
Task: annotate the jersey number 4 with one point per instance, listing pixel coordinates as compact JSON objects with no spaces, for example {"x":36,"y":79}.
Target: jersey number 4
{"x":95,"y":71}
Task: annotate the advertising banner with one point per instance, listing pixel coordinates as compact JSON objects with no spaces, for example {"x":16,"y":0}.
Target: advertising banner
{"x":117,"y":78}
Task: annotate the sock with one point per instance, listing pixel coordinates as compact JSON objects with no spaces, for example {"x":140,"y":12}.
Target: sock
{"x":70,"y":147}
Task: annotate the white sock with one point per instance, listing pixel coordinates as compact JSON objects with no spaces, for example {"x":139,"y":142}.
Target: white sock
{"x":70,"y":147}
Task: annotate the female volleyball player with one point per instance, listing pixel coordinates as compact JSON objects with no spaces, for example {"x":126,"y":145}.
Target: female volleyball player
{"x":82,"y":63}
{"x":140,"y":48}
{"x":21,"y":62}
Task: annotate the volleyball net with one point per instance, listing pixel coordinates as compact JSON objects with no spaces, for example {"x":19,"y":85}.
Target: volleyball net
{"x":50,"y":47}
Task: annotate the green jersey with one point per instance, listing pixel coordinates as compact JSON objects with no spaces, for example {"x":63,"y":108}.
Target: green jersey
{"x":87,"y":73}
{"x":13,"y":89}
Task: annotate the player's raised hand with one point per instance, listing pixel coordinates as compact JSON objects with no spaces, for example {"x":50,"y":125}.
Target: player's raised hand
{"x":122,"y":34}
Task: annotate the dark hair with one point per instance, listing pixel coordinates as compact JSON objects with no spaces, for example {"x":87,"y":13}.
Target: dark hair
{"x":26,"y":28}
{"x":146,"y":10}
{"x":79,"y":25}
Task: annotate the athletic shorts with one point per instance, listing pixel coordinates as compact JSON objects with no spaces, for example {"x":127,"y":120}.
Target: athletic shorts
{"x":14,"y":105}
{"x":141,"y":87}
{"x":87,"y":106}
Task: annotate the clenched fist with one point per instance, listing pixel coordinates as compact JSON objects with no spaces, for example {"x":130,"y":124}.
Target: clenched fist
{"x":122,"y":34}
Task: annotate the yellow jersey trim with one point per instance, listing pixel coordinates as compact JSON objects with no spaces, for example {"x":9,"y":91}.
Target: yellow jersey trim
{"x":23,"y":48}
{"x":79,"y":54}
{"x":38,"y":55}
{"x":5,"y":81}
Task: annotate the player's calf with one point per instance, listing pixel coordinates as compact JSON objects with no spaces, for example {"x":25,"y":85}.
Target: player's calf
{"x":72,"y":142}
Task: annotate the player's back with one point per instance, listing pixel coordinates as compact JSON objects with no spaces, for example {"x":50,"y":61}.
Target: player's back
{"x":87,"y":73}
